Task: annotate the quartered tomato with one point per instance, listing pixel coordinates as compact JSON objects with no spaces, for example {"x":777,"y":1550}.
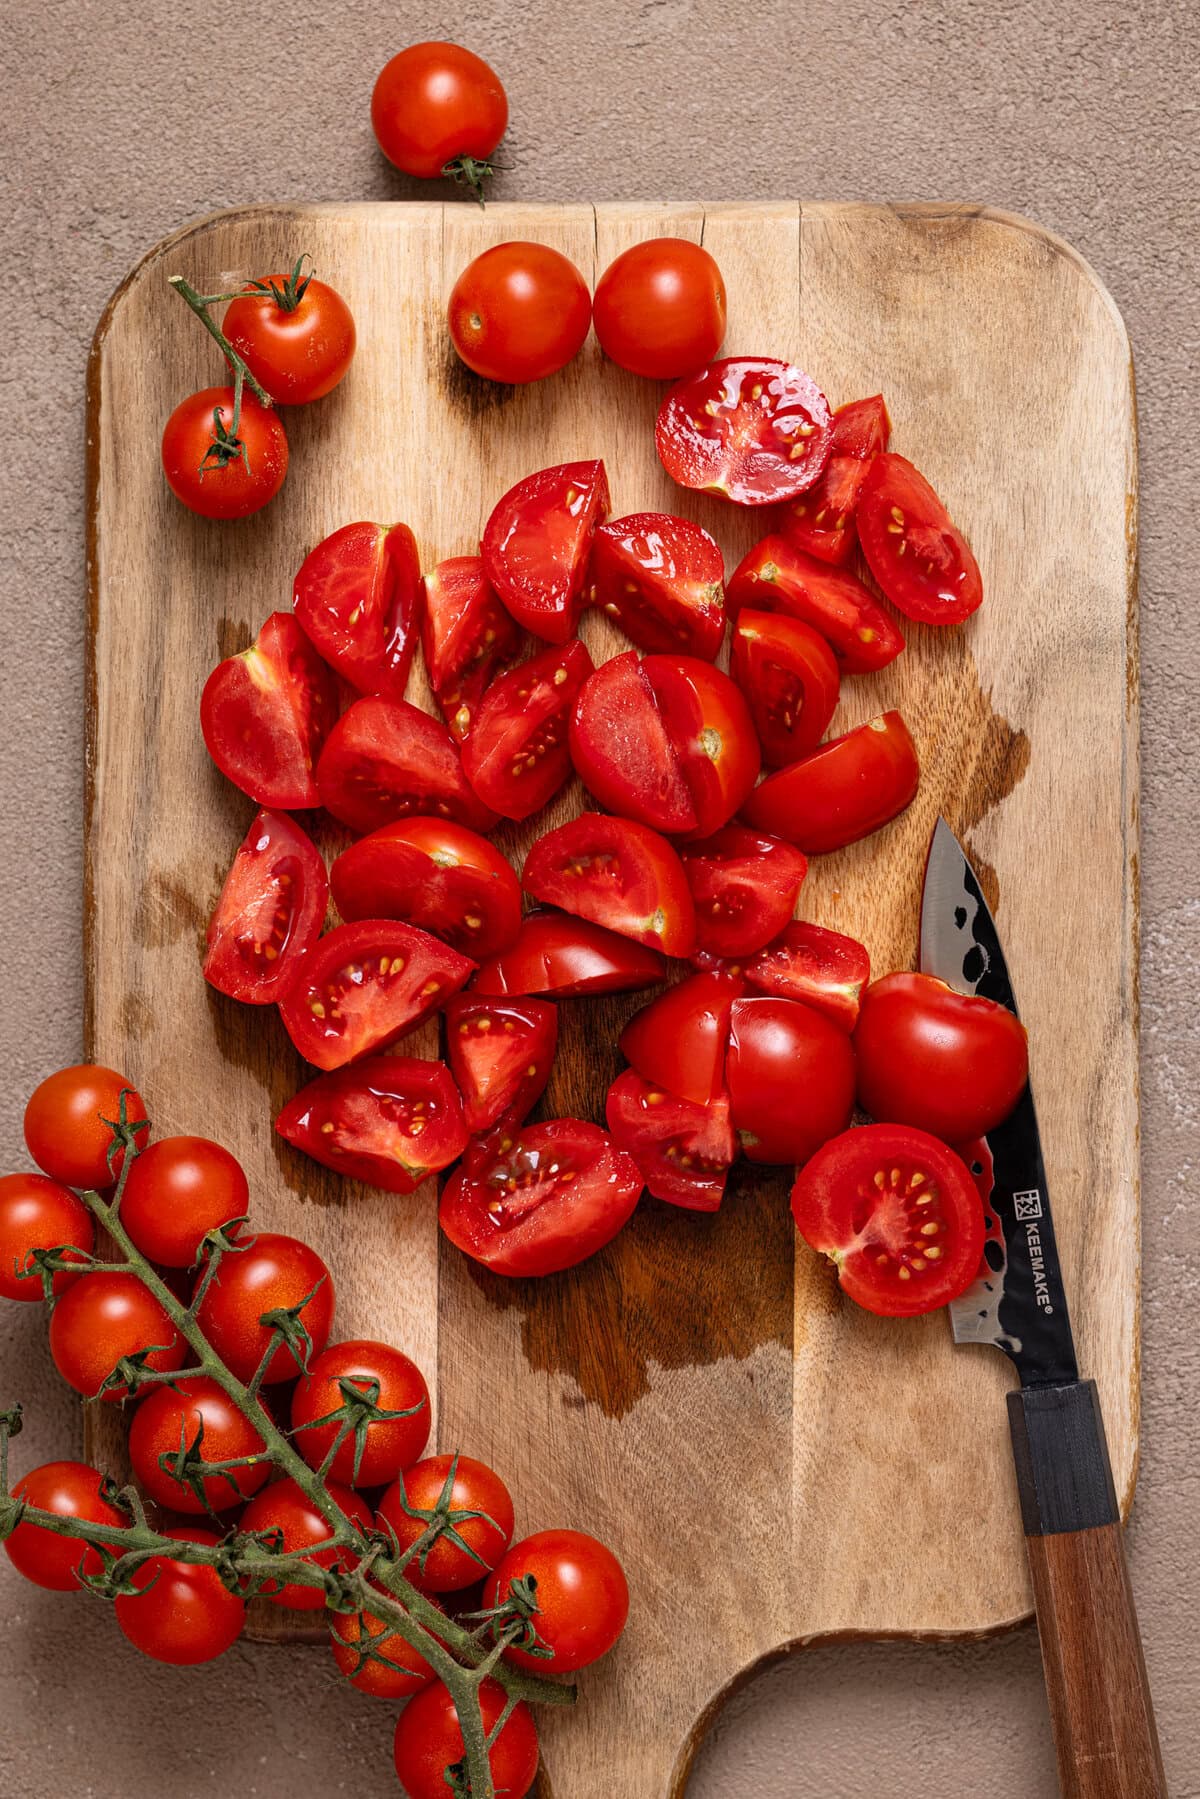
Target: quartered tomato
{"x":823,"y":968}
{"x":270,"y":910}
{"x":841,"y":792}
{"x":285,"y":1513}
{"x":358,"y":598}
{"x":500,"y":1053}
{"x":466,"y":637}
{"x":745,"y":887}
{"x":917,"y":554}
{"x":683,"y":1151}
{"x":678,"y":1041}
{"x":953,"y":1064}
{"x":386,"y":760}
{"x":790,"y":676}
{"x":777,"y":577}
{"x":710,"y":728}
{"x":618,"y":874}
{"x":751,"y":428}
{"x":565,"y":956}
{"x":898,"y":1214}
{"x":266,"y":713}
{"x":536,"y":545}
{"x":556,"y":1195}
{"x":435,"y":874}
{"x":390,"y":1121}
{"x":516,"y":756}
{"x":662,"y":579}
{"x":821,"y":521}
{"x":363,"y":986}
{"x":790,"y":1075}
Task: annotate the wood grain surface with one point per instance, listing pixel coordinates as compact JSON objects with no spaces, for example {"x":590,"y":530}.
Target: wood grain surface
{"x":772,"y":1464}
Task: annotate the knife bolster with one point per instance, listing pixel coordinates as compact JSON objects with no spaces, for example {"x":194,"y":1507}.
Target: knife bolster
{"x":1064,"y":1478}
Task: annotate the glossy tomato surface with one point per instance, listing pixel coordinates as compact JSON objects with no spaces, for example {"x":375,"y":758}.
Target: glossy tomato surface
{"x":566,"y":956}
{"x":179,"y":1189}
{"x":67,"y":1123}
{"x":683,"y":1151}
{"x":38,"y":1213}
{"x":386,"y":760}
{"x":824,"y":969}
{"x":358,"y":599}
{"x":660,"y":308}
{"x":917,"y":554}
{"x":622,"y":752}
{"x":227,"y":484}
{"x":376,"y":1451}
{"x":661,"y":579}
{"x":284,"y":1511}
{"x":390,"y":1121}
{"x":435,"y":104}
{"x":821,"y":521}
{"x":429,"y":1741}
{"x":582,"y":1597}
{"x":618,"y":874}
{"x":708,"y":724}
{"x":181,"y":1613}
{"x":519,"y":312}
{"x":376,"y":1659}
{"x":678,"y":1041}
{"x":467,"y":636}
{"x":198,"y":1414}
{"x":789,"y":676}
{"x":436,"y":874}
{"x":952,"y":1064}
{"x":775,"y":576}
{"x":70,"y":1490}
{"x":450,"y":1484}
{"x":500,"y":1053}
{"x":363,"y":986}
{"x":790,"y":1074}
{"x":271,"y":1273}
{"x":745,"y":887}
{"x":269,"y":911}
{"x":516,"y":756}
{"x":103,"y":1318}
{"x":751,"y":428}
{"x":848,"y":788}
{"x":266,"y":713}
{"x":297,"y":338}
{"x":537,"y":542}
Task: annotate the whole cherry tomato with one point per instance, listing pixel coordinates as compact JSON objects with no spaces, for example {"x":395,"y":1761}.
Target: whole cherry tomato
{"x":375,"y":1659}
{"x":519,"y":312}
{"x":582,"y":1597}
{"x":438,"y":109}
{"x":72,"y":1490}
{"x":37,"y":1213}
{"x":100,"y":1319}
{"x":179,"y":1189}
{"x":173,"y":1418}
{"x":429,"y":1742}
{"x":295,"y":335}
{"x":66,"y":1128}
{"x":412,"y":1502}
{"x":377,"y":1372}
{"x":215,"y":472}
{"x":284,"y":1511}
{"x":272,"y":1273}
{"x":660,"y":308}
{"x":182,"y":1612}
{"x":952,"y":1064}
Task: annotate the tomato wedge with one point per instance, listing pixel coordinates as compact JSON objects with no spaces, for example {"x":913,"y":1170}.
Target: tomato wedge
{"x":790,"y":1075}
{"x":564,"y":956}
{"x":362,"y":986}
{"x":823,"y":968}
{"x":500,"y":1052}
{"x":270,"y":909}
{"x":436,"y":874}
{"x":841,"y":792}
{"x":662,"y":579}
{"x":536,"y":545}
{"x":776,"y":577}
{"x":385,"y":760}
{"x":898,"y":1214}
{"x":789,"y":675}
{"x":683,"y":1151}
{"x":266,"y":712}
{"x":466,"y":637}
{"x":745,"y":887}
{"x":679,"y":1040}
{"x":821,"y":521}
{"x":749,"y":427}
{"x":917,"y":554}
{"x":358,"y":598}
{"x":618,"y":874}
{"x":391,"y":1121}
{"x":560,"y":1192}
{"x":710,"y":728}
{"x":621,"y":751}
{"x":516,"y":757}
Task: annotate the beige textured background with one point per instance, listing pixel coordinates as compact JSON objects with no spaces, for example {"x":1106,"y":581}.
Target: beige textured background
{"x":120,"y":121}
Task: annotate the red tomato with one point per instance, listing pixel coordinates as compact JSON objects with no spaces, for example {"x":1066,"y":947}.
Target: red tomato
{"x":556,"y":1195}
{"x":897,"y":1213}
{"x":678,"y":1041}
{"x":618,"y":874}
{"x":519,"y":312}
{"x":466,"y":636}
{"x":821,"y":521}
{"x":537,"y":542}
{"x":917,"y":554}
{"x":284,"y":1509}
{"x":438,"y":109}
{"x":745,"y":888}
{"x":435,"y":874}
{"x":582,"y":1597}
{"x":67,"y":1123}
{"x":429,"y":1742}
{"x":660,"y":308}
{"x":621,"y":751}
{"x":516,"y":756}
{"x":790,"y":677}
{"x":70,"y":1490}
{"x":376,"y":1659}
{"x":182,"y":1613}
{"x":270,"y":910}
{"x":214,"y":473}
{"x":790,"y":1075}
{"x":171,"y":1419}
{"x":777,"y":577}
{"x":845,"y":790}
{"x":102,"y":1318}
{"x":952,"y":1064}
{"x":709,"y":725}
{"x":37,"y":1213}
{"x":366,"y":985}
{"x":178,"y":1190}
{"x":357,"y":598}
{"x":272,"y":1273}
{"x":390,"y":1121}
{"x":376,"y":1372}
{"x":295,"y":334}
{"x":386,"y":760}
{"x":683,"y":1151}
{"x":500,"y":1053}
{"x":456,"y":1484}
{"x":662,"y":579}
{"x":266,"y":713}
{"x":824,"y":969}
{"x":751,"y":428}
{"x":567,"y":956}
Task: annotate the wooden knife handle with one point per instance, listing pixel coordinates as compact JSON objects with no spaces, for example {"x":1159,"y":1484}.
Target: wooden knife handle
{"x":1100,"y":1706}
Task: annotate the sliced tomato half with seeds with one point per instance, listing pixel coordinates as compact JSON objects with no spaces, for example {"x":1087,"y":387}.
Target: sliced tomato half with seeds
{"x":386,"y":760}
{"x":709,"y":726}
{"x":363,"y":986}
{"x":789,"y":675}
{"x":749,"y":427}
{"x":537,"y":542}
{"x":391,"y":1121}
{"x":467,"y":637}
{"x":436,"y":874}
{"x":777,"y":577}
{"x":618,"y":874}
{"x":683,"y":1151}
{"x":500,"y":1052}
{"x":745,"y":886}
{"x":358,"y":598}
{"x":821,"y":521}
{"x":271,"y":909}
{"x":266,"y":713}
{"x":913,"y":548}
{"x":662,"y":579}
{"x":516,"y":757}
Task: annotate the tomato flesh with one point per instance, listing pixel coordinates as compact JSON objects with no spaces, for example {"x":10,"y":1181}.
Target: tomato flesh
{"x":500,"y":1052}
{"x":391,"y":1121}
{"x":843,"y":791}
{"x":536,"y":545}
{"x":662,"y":579}
{"x":825,"y":969}
{"x":266,"y":712}
{"x":754,"y":429}
{"x":516,"y":757}
{"x":270,"y":910}
{"x":615,"y":873}
{"x":358,"y":598}
{"x":466,"y":636}
{"x":917,"y":554}
{"x":622,"y":752}
{"x":363,"y":986}
{"x":790,"y":677}
{"x":709,"y":725}
{"x":821,"y":521}
{"x":683,"y":1151}
{"x":385,"y":760}
{"x":678,"y":1041}
{"x":435,"y":874}
{"x":776,"y":577}
{"x":566,"y":956}
{"x":790,"y":1075}
{"x":745,"y":887}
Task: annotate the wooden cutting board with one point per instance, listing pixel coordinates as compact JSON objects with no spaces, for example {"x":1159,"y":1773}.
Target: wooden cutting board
{"x":773,"y":1465}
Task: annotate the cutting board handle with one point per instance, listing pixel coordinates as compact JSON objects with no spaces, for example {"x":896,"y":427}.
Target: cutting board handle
{"x":1100,"y":1707}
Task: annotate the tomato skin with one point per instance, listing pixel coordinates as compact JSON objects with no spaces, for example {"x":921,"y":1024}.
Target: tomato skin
{"x":181,"y":1614}
{"x":232,"y":491}
{"x":445,"y":1568}
{"x":437,"y":875}
{"x":775,"y":576}
{"x":344,"y":1004}
{"x":660,"y":308}
{"x":99,"y":1319}
{"x":621,"y":749}
{"x":790,"y":677}
{"x":582,"y":1597}
{"x":434,"y":103}
{"x":65,"y":1132}
{"x":821,"y":521}
{"x":678,"y":1041}
{"x":917,"y":554}
{"x":284,"y":1507}
{"x":467,"y":636}
{"x":297,"y":355}
{"x":390,"y":1121}
{"x":501,"y":1052}
{"x":953,"y":1064}
{"x":745,"y":888}
{"x":662,"y":579}
{"x":708,"y":722}
{"x":536,"y":545}
{"x":178,"y":1189}
{"x":753,"y":429}
{"x":168,"y":1420}
{"x":516,"y":756}
{"x":38,"y":1213}
{"x":69,"y":1489}
{"x":357,"y":597}
{"x":266,"y":713}
{"x":851,"y":786}
{"x":519,"y":312}
{"x":390,"y":1444}
{"x":272,"y":1273}
{"x":683,"y":1151}
{"x":385,"y":760}
{"x":790,"y":1075}
{"x":618,"y":874}
{"x":402,"y":1672}
{"x":824,"y":969}
{"x":567,"y":956}
{"x":269,"y":911}
{"x":429,"y":1741}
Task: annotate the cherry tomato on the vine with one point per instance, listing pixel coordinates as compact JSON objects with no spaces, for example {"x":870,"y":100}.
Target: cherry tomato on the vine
{"x":178,"y":1190}
{"x":295,"y":334}
{"x":100,"y":1319}
{"x":284,"y":1511}
{"x":71,"y":1490}
{"x":582,"y":1597}
{"x":519,"y":312}
{"x":67,"y":1123}
{"x":375,"y":1658}
{"x":660,"y":308}
{"x":214,"y":473}
{"x":272,"y":1273}
{"x":171,"y":1419}
{"x":429,"y":1741}
{"x":375,"y":1372}
{"x":38,"y":1213}
{"x":425,"y":1490}
{"x":182,"y":1612}
{"x":438,"y":109}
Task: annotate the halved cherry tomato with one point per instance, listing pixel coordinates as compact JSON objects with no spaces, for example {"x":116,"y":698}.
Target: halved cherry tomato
{"x":294,"y":333}
{"x":660,"y":308}
{"x":390,"y":1121}
{"x":363,"y":986}
{"x":745,"y":888}
{"x":38,"y":1213}
{"x":790,"y":1075}
{"x":845,"y":790}
{"x":270,"y":909}
{"x":821,"y":521}
{"x":385,"y":760}
{"x":898,"y":1214}
{"x":777,"y":577}
{"x":565,"y":956}
{"x":435,"y":874}
{"x":536,"y":545}
{"x":500,"y":1053}
{"x":683,"y":1151}
{"x":516,"y":756}
{"x":616,"y":873}
{"x":285,"y":1513}
{"x":556,"y":1195}
{"x":823,"y":968}
{"x":519,"y":312}
{"x":266,"y":712}
{"x":621,"y":750}
{"x":466,"y":637}
{"x":751,"y":428}
{"x":790,"y":676}
{"x":917,"y":554}
{"x":678,"y":1041}
{"x":662,"y":579}
{"x":953,"y":1064}
{"x":709,"y":725}
{"x":358,"y":598}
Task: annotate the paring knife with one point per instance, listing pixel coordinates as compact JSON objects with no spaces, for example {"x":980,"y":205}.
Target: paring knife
{"x":1100,"y":1706}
